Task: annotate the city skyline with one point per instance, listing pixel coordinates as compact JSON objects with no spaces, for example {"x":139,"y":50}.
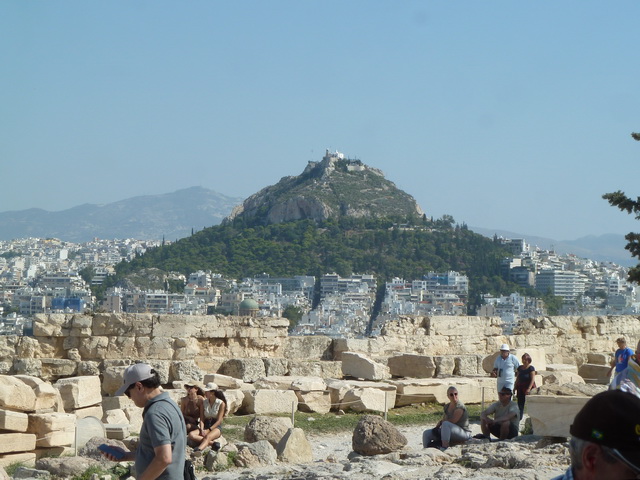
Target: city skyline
{"x":506,"y":116}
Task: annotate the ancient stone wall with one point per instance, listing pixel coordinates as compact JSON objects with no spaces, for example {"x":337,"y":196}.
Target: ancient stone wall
{"x":68,"y":344}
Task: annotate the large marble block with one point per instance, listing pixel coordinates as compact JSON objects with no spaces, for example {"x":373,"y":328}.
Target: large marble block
{"x":551,"y":416}
{"x":53,"y":429}
{"x":17,"y":442}
{"x":13,"y":421}
{"x":263,"y":402}
{"x":79,"y":392}
{"x":359,"y":366}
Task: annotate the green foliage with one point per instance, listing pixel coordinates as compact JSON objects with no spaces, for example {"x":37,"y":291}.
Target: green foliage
{"x":89,"y":472}
{"x":11,"y":468}
{"x":345,"y":245}
{"x":624,"y":203}
{"x":293,"y":314}
{"x":87,"y":274}
{"x":552,"y":303}
{"x":10,"y":254}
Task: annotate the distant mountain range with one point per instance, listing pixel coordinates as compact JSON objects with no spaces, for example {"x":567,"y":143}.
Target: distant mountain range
{"x":149,"y":217}
{"x":174,"y":215}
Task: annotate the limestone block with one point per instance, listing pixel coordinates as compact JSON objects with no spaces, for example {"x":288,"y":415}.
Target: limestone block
{"x":562,"y":367}
{"x":470,"y":390}
{"x":81,"y":326}
{"x":54,"y":368}
{"x":115,"y":417}
{"x":306,"y":347}
{"x":223,"y":381}
{"x":92,"y":411}
{"x":275,"y":382}
{"x":445,"y":365}
{"x":552,"y":416}
{"x":594,"y":373}
{"x":28,"y":459}
{"x":51,"y":325}
{"x":322,"y":369}
{"x":53,"y":429}
{"x":88,"y":367}
{"x":40,"y":347}
{"x":271,"y":429}
{"x":47,"y":397}
{"x":17,"y":442}
{"x":123,"y":325}
{"x":339,"y":388}
{"x":559,"y":377}
{"x":16,"y":395}
{"x":112,"y":379}
{"x":246,"y":369}
{"x":264,"y":402}
{"x":95,"y":347}
{"x":5,"y":368}
{"x":599,"y":358}
{"x":314,"y":401}
{"x":118,"y":432}
{"x":79,"y":392}
{"x":468,"y":365}
{"x":113,"y":403}
{"x":234,"y":397}
{"x":308,"y":384}
{"x":359,"y":366}
{"x":410,"y":365}
{"x":294,"y":447}
{"x":28,"y":366}
{"x":134,"y":414}
{"x":366,"y":399}
{"x":185,"y":348}
{"x":276,"y":366}
{"x":186,"y":370}
{"x":13,"y":421}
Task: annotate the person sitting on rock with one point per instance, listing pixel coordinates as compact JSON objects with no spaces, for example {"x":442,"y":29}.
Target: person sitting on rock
{"x":212,"y":412}
{"x":190,"y":405}
{"x":605,"y":438}
{"x":628,"y":379}
{"x":454,"y":426}
{"x":505,"y":421}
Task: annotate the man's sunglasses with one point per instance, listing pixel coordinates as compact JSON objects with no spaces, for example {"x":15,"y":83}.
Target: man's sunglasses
{"x":127,"y":392}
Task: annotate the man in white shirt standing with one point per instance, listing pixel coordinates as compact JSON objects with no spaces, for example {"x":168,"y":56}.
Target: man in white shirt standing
{"x":504,"y":368}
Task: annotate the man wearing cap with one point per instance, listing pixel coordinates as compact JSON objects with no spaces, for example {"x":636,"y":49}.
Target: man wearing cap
{"x":506,"y":415}
{"x":161,"y":447}
{"x":605,"y":439}
{"x":628,"y":379}
{"x":504,"y":368}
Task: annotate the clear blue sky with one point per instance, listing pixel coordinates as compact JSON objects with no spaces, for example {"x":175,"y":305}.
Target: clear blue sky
{"x":506,"y":115}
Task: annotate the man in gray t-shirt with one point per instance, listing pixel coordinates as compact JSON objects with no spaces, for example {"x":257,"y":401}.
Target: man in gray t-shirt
{"x":163,"y":436}
{"x":506,"y":414}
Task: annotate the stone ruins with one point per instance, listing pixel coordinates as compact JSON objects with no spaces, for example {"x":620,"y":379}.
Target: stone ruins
{"x":71,"y":367}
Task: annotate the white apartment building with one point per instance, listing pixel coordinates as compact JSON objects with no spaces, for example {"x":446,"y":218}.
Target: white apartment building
{"x":566,"y":284}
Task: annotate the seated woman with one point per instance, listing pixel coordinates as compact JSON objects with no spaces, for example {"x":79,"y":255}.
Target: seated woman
{"x":191,"y":404}
{"x":212,"y":412}
{"x":454,"y":426}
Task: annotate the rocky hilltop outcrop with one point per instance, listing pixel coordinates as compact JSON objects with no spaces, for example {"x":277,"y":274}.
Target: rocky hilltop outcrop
{"x":331,"y":188}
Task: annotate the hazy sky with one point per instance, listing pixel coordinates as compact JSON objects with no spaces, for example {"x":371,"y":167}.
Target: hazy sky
{"x":506,"y":115}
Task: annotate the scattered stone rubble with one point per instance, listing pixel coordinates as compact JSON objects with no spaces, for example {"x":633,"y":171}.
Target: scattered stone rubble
{"x":72,"y":366}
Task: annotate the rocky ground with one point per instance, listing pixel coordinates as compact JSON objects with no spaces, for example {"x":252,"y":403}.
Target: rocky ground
{"x":529,"y":457}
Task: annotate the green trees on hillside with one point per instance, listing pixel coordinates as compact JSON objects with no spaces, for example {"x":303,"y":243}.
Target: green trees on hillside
{"x":624,"y":203}
{"x":346,"y":245}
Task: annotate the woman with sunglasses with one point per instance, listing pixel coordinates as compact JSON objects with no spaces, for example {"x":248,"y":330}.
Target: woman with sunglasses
{"x":525,"y":381}
{"x":454,"y":426}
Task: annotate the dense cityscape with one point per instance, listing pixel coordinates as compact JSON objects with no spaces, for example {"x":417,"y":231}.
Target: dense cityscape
{"x":54,"y":276}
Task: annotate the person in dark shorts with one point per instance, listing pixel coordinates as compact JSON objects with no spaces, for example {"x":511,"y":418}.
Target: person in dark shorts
{"x":505,"y":421}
